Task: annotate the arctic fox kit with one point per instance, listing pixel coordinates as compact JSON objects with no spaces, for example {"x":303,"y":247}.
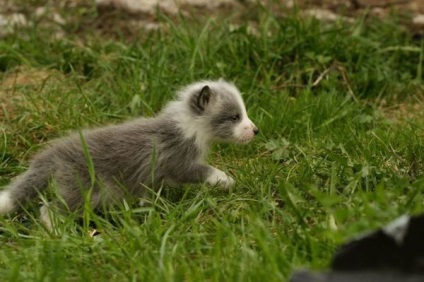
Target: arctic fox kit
{"x":170,"y":147}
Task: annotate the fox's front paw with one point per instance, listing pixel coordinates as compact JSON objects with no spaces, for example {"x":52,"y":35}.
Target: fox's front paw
{"x":218,"y":177}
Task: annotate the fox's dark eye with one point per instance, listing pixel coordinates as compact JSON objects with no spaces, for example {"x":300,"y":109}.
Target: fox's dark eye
{"x":235,"y":117}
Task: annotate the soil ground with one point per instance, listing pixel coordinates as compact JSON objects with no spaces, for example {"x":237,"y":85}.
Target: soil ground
{"x":127,"y":16}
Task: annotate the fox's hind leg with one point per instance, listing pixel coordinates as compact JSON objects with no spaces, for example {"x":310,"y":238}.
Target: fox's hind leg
{"x":52,"y":214}
{"x":46,"y":217}
{"x":66,"y":195}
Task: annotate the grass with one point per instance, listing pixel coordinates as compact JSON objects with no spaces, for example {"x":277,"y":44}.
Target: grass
{"x":338,"y":154}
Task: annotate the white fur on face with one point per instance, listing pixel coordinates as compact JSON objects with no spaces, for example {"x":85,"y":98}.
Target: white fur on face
{"x":244,"y":132}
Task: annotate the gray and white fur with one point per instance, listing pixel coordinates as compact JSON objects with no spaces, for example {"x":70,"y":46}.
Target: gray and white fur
{"x":170,"y":147}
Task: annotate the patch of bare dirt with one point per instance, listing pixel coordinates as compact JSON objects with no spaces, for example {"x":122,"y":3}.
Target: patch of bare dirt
{"x":411,"y":10}
{"x":399,"y":113}
{"x":24,"y":76}
{"x":12,"y":83}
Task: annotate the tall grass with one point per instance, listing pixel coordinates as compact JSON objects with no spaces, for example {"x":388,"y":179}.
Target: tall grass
{"x":340,"y":150}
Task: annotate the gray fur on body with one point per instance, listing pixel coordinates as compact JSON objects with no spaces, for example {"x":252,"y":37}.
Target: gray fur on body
{"x":170,"y":148}
{"x":145,"y":151}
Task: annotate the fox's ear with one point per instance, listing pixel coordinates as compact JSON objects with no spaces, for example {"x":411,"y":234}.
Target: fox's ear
{"x":202,"y":99}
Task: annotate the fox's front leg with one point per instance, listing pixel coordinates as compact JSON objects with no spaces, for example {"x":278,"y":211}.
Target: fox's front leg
{"x":218,"y":177}
{"x":202,"y":174}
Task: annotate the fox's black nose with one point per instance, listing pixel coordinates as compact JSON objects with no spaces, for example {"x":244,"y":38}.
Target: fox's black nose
{"x":256,"y":130}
